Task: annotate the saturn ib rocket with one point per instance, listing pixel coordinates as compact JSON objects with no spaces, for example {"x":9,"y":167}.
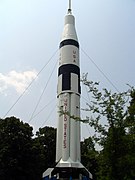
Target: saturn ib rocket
{"x":68,"y":94}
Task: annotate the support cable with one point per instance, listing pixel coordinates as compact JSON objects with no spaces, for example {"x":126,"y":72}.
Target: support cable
{"x":29,"y":84}
{"x":43,"y":124}
{"x":100,"y":70}
{"x":42,"y":93}
{"x":43,"y":108}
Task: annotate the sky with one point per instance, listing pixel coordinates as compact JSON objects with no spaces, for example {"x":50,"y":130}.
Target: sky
{"x":30,"y":33}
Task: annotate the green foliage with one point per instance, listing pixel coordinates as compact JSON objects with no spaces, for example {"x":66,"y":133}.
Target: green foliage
{"x":17,"y":158}
{"x":89,"y":156}
{"x":73,"y":117}
{"x":114,"y":123}
{"x":46,"y":138}
{"x":22,"y":156}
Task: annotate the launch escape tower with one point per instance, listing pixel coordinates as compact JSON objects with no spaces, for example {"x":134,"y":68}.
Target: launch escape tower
{"x":68,"y":94}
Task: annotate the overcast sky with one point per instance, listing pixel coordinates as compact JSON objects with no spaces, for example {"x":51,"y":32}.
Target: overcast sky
{"x":30,"y":32}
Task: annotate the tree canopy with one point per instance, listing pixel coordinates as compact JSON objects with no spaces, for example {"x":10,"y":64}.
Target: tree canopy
{"x":114,"y":123}
{"x":16,"y":153}
{"x":23,"y":156}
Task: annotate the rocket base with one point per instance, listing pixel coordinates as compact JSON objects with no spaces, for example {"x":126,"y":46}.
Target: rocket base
{"x":65,"y":171}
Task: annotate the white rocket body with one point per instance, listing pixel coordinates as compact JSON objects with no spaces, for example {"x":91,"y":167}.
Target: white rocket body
{"x":68,"y":94}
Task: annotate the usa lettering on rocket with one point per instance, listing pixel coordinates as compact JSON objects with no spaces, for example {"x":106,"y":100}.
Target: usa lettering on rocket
{"x":68,"y":94}
{"x":68,"y":162}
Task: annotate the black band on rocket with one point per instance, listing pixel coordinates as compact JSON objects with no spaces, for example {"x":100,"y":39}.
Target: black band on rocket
{"x":69,"y":42}
{"x":69,"y":68}
{"x":66,"y":71}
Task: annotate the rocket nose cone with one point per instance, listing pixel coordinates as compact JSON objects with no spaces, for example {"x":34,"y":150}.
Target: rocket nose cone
{"x":69,"y":19}
{"x":69,"y":28}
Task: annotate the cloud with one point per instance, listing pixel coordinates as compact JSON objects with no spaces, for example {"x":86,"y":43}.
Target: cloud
{"x":17,"y":80}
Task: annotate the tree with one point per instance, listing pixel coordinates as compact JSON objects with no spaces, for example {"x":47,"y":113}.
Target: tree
{"x":89,"y":156}
{"x":18,"y":159}
{"x":113,"y":122}
{"x":130,"y":138}
{"x":46,"y":139}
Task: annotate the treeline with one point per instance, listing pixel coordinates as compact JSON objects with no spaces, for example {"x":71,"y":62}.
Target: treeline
{"x":25,"y":157}
{"x":22,"y":156}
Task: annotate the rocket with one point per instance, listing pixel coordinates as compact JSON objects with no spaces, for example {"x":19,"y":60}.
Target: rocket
{"x":68,"y":94}
{"x":68,"y":161}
